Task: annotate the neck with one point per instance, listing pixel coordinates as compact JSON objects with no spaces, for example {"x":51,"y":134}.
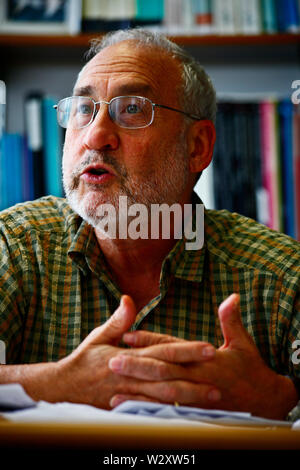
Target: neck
{"x":133,"y":257}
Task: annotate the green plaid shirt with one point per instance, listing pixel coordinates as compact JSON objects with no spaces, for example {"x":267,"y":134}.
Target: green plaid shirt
{"x":55,"y":286}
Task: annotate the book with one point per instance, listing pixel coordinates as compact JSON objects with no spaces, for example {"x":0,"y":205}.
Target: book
{"x":286,"y":109}
{"x":11,"y":170}
{"x":202,"y":16}
{"x":254,"y":151}
{"x":296,"y":166}
{"x":172,"y":21}
{"x":287,"y":16}
{"x":105,"y":15}
{"x":224,"y":189}
{"x":223,"y":16}
{"x":249,"y":16}
{"x":27,"y":170}
{"x":268,"y":16}
{"x":149,"y":12}
{"x":270,"y":162}
{"x":34,"y":132}
{"x":38,"y":17}
{"x":2,"y":130}
{"x":52,"y":144}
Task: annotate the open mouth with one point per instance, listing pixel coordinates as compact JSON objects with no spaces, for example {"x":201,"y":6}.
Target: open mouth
{"x":98,"y":171}
{"x":97,"y":175}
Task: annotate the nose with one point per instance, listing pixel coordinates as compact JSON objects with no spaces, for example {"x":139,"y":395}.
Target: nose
{"x":101,"y":134}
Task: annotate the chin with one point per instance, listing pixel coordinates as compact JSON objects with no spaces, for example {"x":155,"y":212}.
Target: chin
{"x":86,"y":205}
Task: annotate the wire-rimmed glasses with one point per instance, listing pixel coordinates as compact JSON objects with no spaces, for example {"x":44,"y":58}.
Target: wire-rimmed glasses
{"x":130,"y":112}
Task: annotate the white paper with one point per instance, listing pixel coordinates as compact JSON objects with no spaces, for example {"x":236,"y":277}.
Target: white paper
{"x":190,"y":414}
{"x":13,"y":396}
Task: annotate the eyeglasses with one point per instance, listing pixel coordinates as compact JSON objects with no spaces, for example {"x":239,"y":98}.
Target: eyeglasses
{"x":130,"y":112}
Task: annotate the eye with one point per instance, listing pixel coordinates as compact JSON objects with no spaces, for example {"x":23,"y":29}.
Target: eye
{"x":132,"y":109}
{"x":84,"y":108}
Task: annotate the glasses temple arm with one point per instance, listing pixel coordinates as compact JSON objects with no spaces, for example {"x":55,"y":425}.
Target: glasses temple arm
{"x":193,"y":116}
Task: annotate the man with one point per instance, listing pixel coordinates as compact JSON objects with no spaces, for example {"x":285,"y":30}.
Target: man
{"x":216,"y":325}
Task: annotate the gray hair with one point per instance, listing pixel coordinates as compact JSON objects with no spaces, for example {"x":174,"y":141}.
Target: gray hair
{"x":198,"y":94}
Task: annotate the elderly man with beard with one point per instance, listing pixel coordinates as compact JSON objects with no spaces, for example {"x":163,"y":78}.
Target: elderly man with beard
{"x":90,"y":318}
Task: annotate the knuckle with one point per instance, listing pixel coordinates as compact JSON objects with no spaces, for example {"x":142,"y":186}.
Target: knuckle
{"x":169,"y":352}
{"x":162,"y":371}
{"x":168,"y":392}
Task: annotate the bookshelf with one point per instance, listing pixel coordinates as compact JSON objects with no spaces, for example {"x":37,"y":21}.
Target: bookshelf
{"x":82,"y":40}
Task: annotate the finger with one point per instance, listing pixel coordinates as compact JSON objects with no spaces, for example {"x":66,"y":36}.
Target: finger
{"x":183,"y":392}
{"x":146,"y":368}
{"x":141,"y":338}
{"x":113,"y":329}
{"x":235,"y":334}
{"x":177,"y":352}
{"x":118,"y":399}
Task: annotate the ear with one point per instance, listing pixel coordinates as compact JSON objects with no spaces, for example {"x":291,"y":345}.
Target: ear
{"x":201,"y":140}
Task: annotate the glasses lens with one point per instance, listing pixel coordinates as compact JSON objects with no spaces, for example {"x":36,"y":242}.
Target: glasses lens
{"x":75,"y":112}
{"x":131,"y":111}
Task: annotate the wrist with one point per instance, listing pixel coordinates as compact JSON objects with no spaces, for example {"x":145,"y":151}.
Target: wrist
{"x":288,"y":396}
{"x":42,"y":381}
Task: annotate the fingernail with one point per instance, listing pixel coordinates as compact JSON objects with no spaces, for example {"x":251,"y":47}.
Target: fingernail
{"x":116,"y":400}
{"x":214,"y":395}
{"x":208,"y":351}
{"x":116,"y":363}
{"x":129,"y":338}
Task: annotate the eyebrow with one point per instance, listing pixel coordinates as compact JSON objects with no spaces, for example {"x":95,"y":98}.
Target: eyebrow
{"x":84,"y":91}
{"x":129,"y":88}
{"x":126,"y":89}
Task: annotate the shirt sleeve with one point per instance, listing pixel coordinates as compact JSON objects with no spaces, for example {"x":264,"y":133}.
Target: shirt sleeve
{"x":12,"y":309}
{"x":294,"y":355}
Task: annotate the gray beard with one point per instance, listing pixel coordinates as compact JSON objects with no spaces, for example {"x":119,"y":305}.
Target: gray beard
{"x":165,"y":186}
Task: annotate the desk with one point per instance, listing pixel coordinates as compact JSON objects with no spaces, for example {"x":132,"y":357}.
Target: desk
{"x":152,"y":436}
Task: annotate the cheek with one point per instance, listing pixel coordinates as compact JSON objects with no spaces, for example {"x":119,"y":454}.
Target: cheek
{"x":69,"y":151}
{"x":139,"y":154}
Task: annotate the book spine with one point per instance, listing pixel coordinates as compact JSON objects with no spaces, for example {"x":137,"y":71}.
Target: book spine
{"x":250,"y":17}
{"x":286,"y":132}
{"x":52,"y":148}
{"x":33,"y":123}
{"x":173,"y":16}
{"x":269,"y":19}
{"x":269,"y":160}
{"x":296,"y":168}
{"x":202,"y":16}
{"x":5,"y":153}
{"x":150,"y":11}
{"x":223,"y":15}
{"x":288,"y":16}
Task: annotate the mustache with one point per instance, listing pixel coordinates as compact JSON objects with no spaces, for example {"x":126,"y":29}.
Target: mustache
{"x":95,"y":157}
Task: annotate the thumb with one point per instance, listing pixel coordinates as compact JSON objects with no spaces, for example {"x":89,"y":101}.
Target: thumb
{"x":234,"y":333}
{"x":113,"y":329}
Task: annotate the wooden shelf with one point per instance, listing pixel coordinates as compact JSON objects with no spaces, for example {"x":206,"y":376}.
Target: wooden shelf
{"x":83,"y":40}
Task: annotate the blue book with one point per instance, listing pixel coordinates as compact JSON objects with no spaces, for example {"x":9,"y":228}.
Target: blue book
{"x":150,"y":10}
{"x":28,"y":173}
{"x":269,"y":20}
{"x":288,"y":16}
{"x":11,"y":170}
{"x":286,"y":134}
{"x":5,"y":150}
{"x":52,"y":148}
{"x":17,"y":163}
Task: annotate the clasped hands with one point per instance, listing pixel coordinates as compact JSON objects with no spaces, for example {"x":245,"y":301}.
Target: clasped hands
{"x":166,"y":369}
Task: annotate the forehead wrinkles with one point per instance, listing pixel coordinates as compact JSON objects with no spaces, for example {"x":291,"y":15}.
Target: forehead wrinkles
{"x":156,"y":69}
